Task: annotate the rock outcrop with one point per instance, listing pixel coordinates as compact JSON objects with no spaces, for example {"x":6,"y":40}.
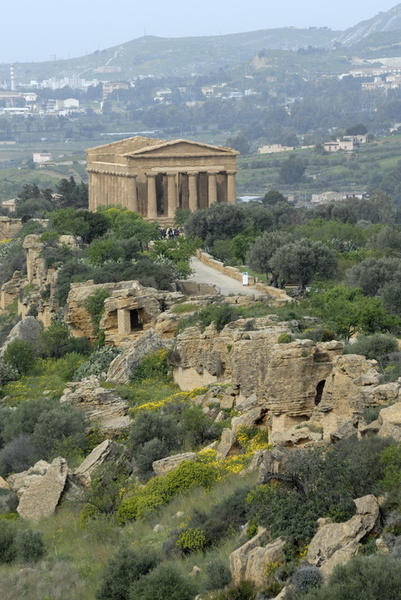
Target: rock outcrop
{"x":27,"y":329}
{"x":249,"y":562}
{"x":102,"y":406}
{"x":335,"y":543}
{"x":106,"y":452}
{"x":40,"y":488}
{"x":303,"y":392}
{"x":10,"y":290}
{"x":389,"y":422}
{"x":165,"y":465}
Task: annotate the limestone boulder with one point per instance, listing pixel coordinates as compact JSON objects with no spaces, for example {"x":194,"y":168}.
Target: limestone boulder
{"x":249,"y":562}
{"x":248,"y":419}
{"x":247,"y":403}
{"x":39,"y":489}
{"x":335,"y":543}
{"x":165,"y":465}
{"x":123,"y":366}
{"x":102,"y":407}
{"x":106,"y":452}
{"x":27,"y":329}
{"x":227,"y":443}
{"x":345,"y":430}
{"x":390,"y":422}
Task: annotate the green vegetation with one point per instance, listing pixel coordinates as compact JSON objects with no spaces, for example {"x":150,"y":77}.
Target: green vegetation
{"x":318,"y":483}
{"x":373,"y":577}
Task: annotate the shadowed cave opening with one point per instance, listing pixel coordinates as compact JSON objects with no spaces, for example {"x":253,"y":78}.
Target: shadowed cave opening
{"x":319,"y":391}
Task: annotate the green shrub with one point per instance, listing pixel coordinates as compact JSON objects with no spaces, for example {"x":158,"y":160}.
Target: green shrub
{"x":145,"y":456}
{"x":285,"y":338}
{"x":179,"y":309}
{"x":7,"y":373}
{"x":162,"y":489}
{"x":104,"y":249}
{"x":107,"y":480}
{"x":224,"y":518}
{"x":218,"y":574}
{"x":16,"y":456}
{"x":376,"y":577}
{"x":320,"y":483}
{"x":377,"y":346}
{"x":97,"y":363}
{"x":163,"y":583}
{"x":150,"y":425}
{"x":8,"y":551}
{"x":95,"y":307}
{"x":154,"y":366}
{"x":68,"y":365}
{"x":220,"y":314}
{"x":391,"y":461}
{"x":56,"y":341}
{"x":59,"y":432}
{"x":21,"y":355}
{"x":126,"y":567}
{"x":246,"y":590}
{"x":29,"y":546}
{"x":191,"y":540}
{"x":306,"y":578}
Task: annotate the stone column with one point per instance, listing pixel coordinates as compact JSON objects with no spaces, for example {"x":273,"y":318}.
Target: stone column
{"x":192,"y":192}
{"x":92,"y":191}
{"x":231,"y":188}
{"x":212,"y":189}
{"x":171,"y":195}
{"x":99,"y":187}
{"x":132,"y":193}
{"x":123,"y":321}
{"x":152,"y":197}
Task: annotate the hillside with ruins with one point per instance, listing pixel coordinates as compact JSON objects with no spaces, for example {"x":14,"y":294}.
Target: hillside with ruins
{"x":161,"y":439}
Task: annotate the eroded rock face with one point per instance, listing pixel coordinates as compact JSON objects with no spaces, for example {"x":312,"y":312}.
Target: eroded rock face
{"x":335,"y":543}
{"x":123,"y":366}
{"x":165,"y":465}
{"x":40,"y":488}
{"x":249,"y":562}
{"x":305,"y":392}
{"x":102,"y":406}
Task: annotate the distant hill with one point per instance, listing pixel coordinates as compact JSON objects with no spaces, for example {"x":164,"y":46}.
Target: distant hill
{"x":152,"y":55}
{"x":389,"y":21}
{"x":157,"y":56}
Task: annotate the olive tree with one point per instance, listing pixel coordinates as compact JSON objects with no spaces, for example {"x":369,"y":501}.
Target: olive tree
{"x":300,"y":261}
{"x":262,"y":251}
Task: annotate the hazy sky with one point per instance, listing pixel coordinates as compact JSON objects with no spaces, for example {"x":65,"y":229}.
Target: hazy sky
{"x":34,"y":31}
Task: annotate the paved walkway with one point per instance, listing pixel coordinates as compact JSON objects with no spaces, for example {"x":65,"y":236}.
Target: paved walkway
{"x":227,"y":285}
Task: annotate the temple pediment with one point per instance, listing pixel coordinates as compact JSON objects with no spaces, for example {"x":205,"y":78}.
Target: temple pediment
{"x":180,"y":148}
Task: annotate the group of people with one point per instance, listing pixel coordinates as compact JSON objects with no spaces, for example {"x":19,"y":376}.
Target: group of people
{"x":169,"y":233}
